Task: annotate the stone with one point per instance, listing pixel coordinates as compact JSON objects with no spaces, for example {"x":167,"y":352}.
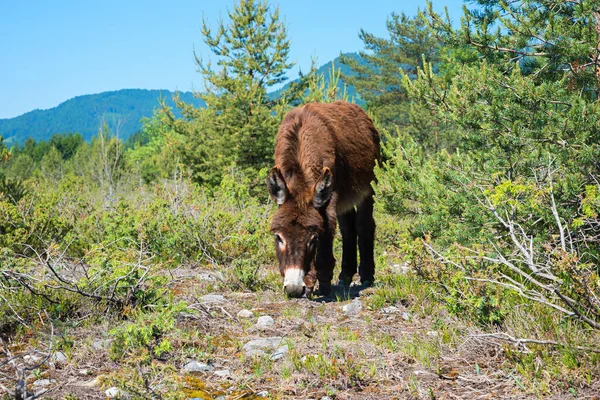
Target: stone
{"x":325,"y":398}
{"x":433,"y":334}
{"x":401,"y":268}
{"x":280,"y":352}
{"x":34,"y":358}
{"x":223,"y":373}
{"x":207,"y":276}
{"x":264,"y":393}
{"x":93,"y":383}
{"x":390,"y":310}
{"x":245,"y":314}
{"x":352,"y":308}
{"x":406,"y":316}
{"x":265,"y":322}
{"x":43,"y":382}
{"x":59,"y":358}
{"x":256,"y":352}
{"x":258,"y":346}
{"x":101,"y":344}
{"x":213,"y":298}
{"x":425,"y":375}
{"x":116,"y":393}
{"x":84,"y":372}
{"x":195,"y":366}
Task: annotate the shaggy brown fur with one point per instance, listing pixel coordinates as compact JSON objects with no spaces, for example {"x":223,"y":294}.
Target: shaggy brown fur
{"x":324,"y":159}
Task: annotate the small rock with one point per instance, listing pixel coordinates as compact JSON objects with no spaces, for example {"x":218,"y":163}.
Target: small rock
{"x":213,"y":298}
{"x":390,"y":310}
{"x":264,"y":393}
{"x":34,"y":358}
{"x":433,"y":333}
{"x":264,"y":322}
{"x":223,"y":373}
{"x":43,"y":382}
{"x":101,"y":344}
{"x":406,"y":316}
{"x":83,"y":372}
{"x":245,"y":314}
{"x":59,"y":358}
{"x":195,"y":366}
{"x":281,"y":351}
{"x":401,"y":268}
{"x":93,"y":383}
{"x":352,"y":308}
{"x":207,"y":277}
{"x":257,"y":346}
{"x":116,"y":393}
{"x":325,"y":398}
{"x":256,"y":352}
{"x":425,"y":375}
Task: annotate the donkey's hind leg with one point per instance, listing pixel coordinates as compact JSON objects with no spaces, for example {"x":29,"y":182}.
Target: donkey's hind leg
{"x":347,"y":222}
{"x":366,"y":240}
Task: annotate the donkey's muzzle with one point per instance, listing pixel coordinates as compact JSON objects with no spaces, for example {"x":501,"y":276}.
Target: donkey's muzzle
{"x":293,"y":282}
{"x":294,"y":290}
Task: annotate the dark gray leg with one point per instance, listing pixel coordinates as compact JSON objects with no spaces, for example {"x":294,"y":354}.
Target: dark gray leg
{"x":325,"y":263}
{"x":324,"y":260}
{"x":366,"y":240}
{"x":347,"y":223}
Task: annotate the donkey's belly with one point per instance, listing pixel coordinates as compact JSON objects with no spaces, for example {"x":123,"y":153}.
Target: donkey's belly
{"x":348,"y":202}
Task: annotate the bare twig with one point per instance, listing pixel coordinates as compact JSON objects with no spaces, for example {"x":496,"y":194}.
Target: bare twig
{"x":518,"y":341}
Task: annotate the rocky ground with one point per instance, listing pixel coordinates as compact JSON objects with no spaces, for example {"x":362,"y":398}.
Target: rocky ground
{"x":387,"y":342}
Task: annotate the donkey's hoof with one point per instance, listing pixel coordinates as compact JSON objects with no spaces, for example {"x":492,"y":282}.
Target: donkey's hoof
{"x":324,"y":289}
{"x":344,"y":282}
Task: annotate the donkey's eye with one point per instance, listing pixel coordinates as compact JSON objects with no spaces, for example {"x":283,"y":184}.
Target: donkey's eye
{"x":279,"y":240}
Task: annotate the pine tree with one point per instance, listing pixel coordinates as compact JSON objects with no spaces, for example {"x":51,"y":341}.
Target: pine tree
{"x":4,"y":152}
{"x":378,"y":77}
{"x":239,"y":122}
{"x":545,"y":39}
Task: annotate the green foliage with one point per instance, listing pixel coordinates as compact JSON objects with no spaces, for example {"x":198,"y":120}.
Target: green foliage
{"x":323,"y":88}
{"x":5,"y":154}
{"x":64,"y":247}
{"x":493,"y":210}
{"x":11,"y":189}
{"x":150,"y":154}
{"x":544,"y":38}
{"x":147,"y":335}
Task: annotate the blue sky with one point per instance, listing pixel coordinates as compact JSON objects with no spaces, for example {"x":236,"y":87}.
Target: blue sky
{"x":52,"y":51}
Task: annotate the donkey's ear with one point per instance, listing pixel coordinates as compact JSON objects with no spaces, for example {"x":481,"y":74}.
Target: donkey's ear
{"x":323,"y":188}
{"x":276,"y":185}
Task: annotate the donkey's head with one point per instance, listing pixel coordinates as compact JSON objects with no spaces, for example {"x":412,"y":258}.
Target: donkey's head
{"x":299,"y":221}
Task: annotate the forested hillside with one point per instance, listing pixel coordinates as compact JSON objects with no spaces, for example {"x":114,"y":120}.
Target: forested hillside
{"x":121,"y":110}
{"x":146,"y":268}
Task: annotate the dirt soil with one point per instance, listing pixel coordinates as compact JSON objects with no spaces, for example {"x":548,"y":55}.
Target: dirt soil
{"x":393,"y":352}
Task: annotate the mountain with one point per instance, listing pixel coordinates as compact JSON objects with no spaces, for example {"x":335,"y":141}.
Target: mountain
{"x":122,"y":110}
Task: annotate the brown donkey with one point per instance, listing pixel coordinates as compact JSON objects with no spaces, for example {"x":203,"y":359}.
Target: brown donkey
{"x":324,"y":159}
